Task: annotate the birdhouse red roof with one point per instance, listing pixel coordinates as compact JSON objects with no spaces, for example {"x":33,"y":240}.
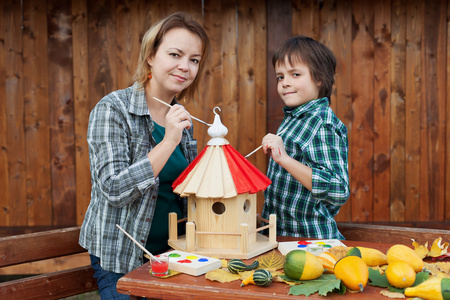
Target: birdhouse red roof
{"x":220,"y":171}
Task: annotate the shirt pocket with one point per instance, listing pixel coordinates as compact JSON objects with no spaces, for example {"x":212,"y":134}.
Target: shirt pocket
{"x":139,"y":148}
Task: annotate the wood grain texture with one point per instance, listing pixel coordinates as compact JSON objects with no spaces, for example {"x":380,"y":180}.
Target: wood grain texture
{"x":363,"y":102}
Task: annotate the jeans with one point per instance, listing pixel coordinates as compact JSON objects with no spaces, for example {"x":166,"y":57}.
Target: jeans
{"x":106,"y":281}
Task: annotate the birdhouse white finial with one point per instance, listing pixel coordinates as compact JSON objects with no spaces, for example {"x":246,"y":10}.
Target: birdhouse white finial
{"x":217,"y":131}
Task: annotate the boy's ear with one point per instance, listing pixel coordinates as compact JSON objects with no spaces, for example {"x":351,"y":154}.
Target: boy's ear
{"x":319,"y":83}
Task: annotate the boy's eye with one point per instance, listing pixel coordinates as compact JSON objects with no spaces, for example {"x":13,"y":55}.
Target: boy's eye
{"x":296,"y":74}
{"x":279,"y":78}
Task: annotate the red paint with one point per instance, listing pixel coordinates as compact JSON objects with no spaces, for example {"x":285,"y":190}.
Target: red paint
{"x":185,"y":261}
{"x":304,"y":242}
{"x":160,"y":268}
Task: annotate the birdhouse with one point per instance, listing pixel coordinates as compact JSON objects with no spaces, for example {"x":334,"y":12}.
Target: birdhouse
{"x":222,"y":186}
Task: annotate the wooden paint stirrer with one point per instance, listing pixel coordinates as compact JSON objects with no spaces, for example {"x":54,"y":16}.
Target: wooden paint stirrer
{"x":159,"y":100}
{"x":140,"y":246}
{"x":279,"y":133}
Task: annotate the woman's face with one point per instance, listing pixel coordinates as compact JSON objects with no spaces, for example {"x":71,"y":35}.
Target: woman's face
{"x":176,"y":62}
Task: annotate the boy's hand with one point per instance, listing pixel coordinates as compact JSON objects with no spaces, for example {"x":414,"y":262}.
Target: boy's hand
{"x":273,"y":145}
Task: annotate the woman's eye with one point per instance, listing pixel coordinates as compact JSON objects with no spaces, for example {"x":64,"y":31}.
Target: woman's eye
{"x":195,"y":61}
{"x":175,"y":54}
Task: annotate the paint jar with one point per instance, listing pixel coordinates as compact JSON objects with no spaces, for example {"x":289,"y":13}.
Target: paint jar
{"x":160,"y":265}
{"x":314,"y":249}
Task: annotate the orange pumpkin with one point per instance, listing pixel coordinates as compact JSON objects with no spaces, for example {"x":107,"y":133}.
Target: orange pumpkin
{"x":328,"y":260}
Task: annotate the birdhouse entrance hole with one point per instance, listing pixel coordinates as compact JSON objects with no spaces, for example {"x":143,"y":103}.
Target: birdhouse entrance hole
{"x":247,"y":205}
{"x":218,"y":208}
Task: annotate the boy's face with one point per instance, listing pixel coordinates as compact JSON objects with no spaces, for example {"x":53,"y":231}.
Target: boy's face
{"x":295,"y":84}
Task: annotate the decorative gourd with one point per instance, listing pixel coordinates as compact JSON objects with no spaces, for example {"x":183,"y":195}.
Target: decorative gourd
{"x":260,"y":277}
{"x":302,"y":265}
{"x":400,"y":274}
{"x":328,"y":261}
{"x":404,"y":253}
{"x":236,"y":265}
{"x":432,"y":289}
{"x":372,"y":257}
{"x":353,"y":272}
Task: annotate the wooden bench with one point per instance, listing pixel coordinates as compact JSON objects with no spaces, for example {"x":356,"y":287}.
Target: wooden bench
{"x":391,"y":234}
{"x":38,"y":246}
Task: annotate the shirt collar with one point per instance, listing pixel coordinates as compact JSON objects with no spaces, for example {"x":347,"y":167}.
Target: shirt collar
{"x":308,"y":106}
{"x":138,"y":102}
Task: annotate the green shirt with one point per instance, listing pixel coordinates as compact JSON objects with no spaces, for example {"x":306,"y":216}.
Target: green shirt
{"x":167,"y":201}
{"x":318,"y":139}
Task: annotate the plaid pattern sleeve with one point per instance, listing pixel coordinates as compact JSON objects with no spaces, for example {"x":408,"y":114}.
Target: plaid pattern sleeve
{"x":318,"y":139}
{"x":124,"y":188}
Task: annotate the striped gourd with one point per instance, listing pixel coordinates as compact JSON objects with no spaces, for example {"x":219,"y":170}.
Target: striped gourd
{"x":328,"y":260}
{"x":236,"y":265}
{"x":260,"y":277}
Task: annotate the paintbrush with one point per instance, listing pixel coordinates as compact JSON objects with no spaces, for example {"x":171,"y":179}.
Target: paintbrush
{"x":140,"y":246}
{"x":159,"y":100}
{"x":279,"y":133}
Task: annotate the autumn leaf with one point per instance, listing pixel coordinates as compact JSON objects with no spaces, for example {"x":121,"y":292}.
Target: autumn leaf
{"x":392,"y":294}
{"x":271,"y":261}
{"x":437,"y":249}
{"x":323,"y":285}
{"x":421,"y":250}
{"x":222,"y":276}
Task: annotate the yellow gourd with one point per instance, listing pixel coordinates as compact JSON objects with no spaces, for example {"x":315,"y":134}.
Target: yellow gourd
{"x":404,"y":253}
{"x":400,"y":274}
{"x":373,"y":257}
{"x":432,"y":289}
{"x":302,"y":265}
{"x":328,"y":261}
{"x":353,"y":272}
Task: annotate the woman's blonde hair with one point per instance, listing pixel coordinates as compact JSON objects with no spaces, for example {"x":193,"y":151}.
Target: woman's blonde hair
{"x":152,"y":40}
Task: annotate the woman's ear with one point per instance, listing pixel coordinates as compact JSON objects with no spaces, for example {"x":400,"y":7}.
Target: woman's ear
{"x":150,"y":60}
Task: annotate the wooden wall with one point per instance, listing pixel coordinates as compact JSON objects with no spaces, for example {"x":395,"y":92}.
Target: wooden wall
{"x":59,"y":58}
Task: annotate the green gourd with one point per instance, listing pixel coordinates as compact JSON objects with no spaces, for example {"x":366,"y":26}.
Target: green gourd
{"x":236,"y":265}
{"x":260,"y":277}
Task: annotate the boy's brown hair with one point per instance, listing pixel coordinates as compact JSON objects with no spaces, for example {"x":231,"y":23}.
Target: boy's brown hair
{"x":318,"y":57}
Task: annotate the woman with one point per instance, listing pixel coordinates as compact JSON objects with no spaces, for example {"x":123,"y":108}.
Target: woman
{"x":138,"y":146}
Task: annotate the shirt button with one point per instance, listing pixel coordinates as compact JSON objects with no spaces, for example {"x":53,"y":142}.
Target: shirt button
{"x":148,"y":220}
{"x":142,"y":241}
{"x":153,"y":197}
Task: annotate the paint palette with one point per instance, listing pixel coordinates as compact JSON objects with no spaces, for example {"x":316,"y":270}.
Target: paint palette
{"x":286,"y":247}
{"x":192,"y":264}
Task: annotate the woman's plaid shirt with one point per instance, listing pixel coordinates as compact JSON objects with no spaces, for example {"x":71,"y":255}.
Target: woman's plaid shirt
{"x":318,"y":139}
{"x":124,"y":188}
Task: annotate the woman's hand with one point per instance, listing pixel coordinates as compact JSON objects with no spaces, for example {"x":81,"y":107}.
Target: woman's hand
{"x":177,"y":119}
{"x":273,"y":145}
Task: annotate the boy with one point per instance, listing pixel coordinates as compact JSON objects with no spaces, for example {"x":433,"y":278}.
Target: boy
{"x":309,"y":166}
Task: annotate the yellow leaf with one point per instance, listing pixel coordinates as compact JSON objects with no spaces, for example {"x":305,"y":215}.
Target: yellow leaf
{"x":437,"y":249}
{"x":224,"y":263}
{"x":421,"y":250}
{"x":221,"y":275}
{"x":444,"y":267}
{"x":392,"y":294}
{"x":271,"y":261}
{"x":339,"y":251}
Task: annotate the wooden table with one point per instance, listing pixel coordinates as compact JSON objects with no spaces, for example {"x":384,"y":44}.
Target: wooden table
{"x":139,"y":283}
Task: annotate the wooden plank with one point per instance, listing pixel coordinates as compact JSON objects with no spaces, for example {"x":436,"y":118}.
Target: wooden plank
{"x":433,"y":112}
{"x":127,"y":41}
{"x":397,"y":162}
{"x":260,"y":71}
{"x":382,"y":110}
{"x":81,"y":107}
{"x":447,"y":145}
{"x":13,"y":65}
{"x":230,"y":67}
{"x":363,"y":103}
{"x":328,"y":37}
{"x":62,"y":140}
{"x":279,"y":28}
{"x":344,"y":110}
{"x":37,"y":129}
{"x":4,"y":170}
{"x":101,"y":52}
{"x":305,"y":18}
{"x":51,"y":286}
{"x":211,"y":90}
{"x":37,"y":246}
{"x":391,"y":234}
{"x":246,"y":52}
{"x":413,"y":71}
